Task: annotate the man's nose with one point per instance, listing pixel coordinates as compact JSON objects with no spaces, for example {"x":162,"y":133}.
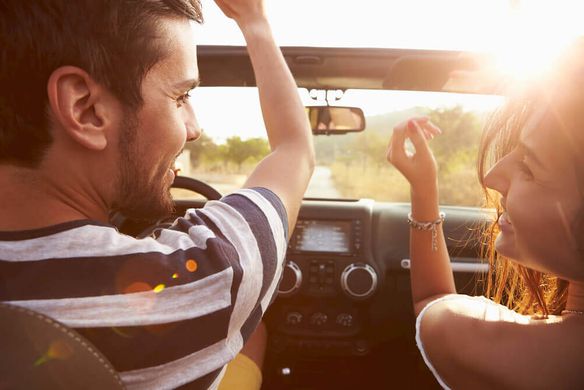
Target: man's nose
{"x":194,"y":131}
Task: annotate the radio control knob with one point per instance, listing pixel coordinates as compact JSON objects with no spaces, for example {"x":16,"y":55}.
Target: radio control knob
{"x":293,"y":318}
{"x":318,"y":319}
{"x":359,"y":281}
{"x":291,"y":279}
{"x":345,"y":320}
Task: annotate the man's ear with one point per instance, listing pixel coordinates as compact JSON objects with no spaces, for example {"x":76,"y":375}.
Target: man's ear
{"x":80,"y":106}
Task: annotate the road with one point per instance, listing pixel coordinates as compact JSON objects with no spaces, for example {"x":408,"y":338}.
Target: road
{"x":322,"y":185}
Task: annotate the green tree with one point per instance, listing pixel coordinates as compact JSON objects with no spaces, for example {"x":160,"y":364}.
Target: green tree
{"x":239,"y":151}
{"x":456,"y":152}
{"x":462,"y":131}
{"x":203,"y":149}
{"x":361,"y":170}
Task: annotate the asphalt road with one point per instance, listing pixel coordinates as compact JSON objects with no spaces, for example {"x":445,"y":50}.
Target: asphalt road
{"x":322,"y":185}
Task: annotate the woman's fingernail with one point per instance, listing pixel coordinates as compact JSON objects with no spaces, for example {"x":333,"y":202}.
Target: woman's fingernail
{"x":411,"y":125}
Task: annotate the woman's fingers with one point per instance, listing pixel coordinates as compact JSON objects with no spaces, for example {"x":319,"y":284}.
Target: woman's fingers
{"x":396,"y":151}
{"x":418,"y":137}
{"x":428,"y":135}
{"x":418,"y":130}
{"x":431,"y":128}
{"x":420,"y":167}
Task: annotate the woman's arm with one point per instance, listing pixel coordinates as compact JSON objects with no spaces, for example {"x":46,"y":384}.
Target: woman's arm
{"x":476,"y":343}
{"x":430,"y":272}
{"x":473,"y":342}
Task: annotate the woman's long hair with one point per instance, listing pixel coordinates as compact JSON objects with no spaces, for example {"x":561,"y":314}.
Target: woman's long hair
{"x":511,"y":284}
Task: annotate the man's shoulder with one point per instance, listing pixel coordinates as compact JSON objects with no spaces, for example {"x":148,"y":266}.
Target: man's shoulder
{"x":262,"y":198}
{"x":257,"y":207}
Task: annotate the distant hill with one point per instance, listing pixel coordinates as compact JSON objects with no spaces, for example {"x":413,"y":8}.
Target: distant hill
{"x":384,"y":123}
{"x":328,"y":147}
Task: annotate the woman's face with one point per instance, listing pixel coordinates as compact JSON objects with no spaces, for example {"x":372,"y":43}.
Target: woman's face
{"x":537,"y":181}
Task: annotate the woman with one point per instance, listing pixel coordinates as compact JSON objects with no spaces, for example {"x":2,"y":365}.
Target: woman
{"x":534,"y":154}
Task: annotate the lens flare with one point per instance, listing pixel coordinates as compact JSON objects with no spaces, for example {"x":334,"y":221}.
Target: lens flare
{"x":121,"y":332}
{"x":137,"y":287}
{"x":58,"y":350}
{"x":191,"y":265}
{"x":534,"y":35}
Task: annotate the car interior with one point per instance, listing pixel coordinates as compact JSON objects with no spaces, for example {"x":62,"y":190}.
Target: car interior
{"x":343,"y":316}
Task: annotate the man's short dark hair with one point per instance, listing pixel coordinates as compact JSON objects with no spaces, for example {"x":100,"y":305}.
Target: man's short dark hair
{"x":115,"y":41}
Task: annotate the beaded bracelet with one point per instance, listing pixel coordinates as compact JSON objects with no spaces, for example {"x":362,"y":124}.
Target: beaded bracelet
{"x":425,"y":226}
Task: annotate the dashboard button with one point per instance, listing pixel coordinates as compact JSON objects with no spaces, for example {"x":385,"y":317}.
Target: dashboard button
{"x":345,"y":320}
{"x":359,"y":280}
{"x":291,"y":280}
{"x":318,"y":319}
{"x":293,"y":318}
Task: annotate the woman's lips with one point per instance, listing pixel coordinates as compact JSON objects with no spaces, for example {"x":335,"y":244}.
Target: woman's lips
{"x":504,"y":223}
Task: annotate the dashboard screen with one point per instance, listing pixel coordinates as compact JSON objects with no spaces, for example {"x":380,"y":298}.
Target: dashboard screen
{"x":322,"y":236}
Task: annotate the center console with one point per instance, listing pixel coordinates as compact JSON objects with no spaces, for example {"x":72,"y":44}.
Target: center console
{"x":328,"y":279}
{"x":327,"y":256}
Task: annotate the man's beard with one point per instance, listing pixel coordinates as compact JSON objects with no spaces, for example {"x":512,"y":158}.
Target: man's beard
{"x":139,"y":197}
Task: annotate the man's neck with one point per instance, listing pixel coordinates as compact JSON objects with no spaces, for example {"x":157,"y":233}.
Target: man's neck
{"x":30,"y":200}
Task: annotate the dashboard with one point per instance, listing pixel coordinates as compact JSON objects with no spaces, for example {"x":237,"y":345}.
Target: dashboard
{"x":345,"y":296}
{"x":329,"y":270}
{"x":344,"y":301}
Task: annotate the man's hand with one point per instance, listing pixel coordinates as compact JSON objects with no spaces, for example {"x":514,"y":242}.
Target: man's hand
{"x":419,"y":168}
{"x":242,"y":11}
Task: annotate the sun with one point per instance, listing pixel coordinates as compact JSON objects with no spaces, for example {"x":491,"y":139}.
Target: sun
{"x":534,"y":35}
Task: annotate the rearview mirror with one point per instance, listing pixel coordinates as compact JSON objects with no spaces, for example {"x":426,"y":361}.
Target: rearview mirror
{"x":335,"y":120}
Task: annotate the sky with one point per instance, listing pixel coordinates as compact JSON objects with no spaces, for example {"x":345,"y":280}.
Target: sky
{"x":430,"y":24}
{"x":521,"y":33}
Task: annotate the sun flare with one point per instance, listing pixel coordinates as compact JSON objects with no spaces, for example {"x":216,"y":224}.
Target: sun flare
{"x":534,"y":34}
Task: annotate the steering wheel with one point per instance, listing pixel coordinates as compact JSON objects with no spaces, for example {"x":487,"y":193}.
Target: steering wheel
{"x":137,"y":229}
{"x":188,"y":183}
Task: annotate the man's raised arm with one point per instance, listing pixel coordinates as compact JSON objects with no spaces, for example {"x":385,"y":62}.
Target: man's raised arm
{"x":287,"y":170}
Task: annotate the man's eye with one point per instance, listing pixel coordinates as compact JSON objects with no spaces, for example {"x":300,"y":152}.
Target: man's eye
{"x":182,"y":99}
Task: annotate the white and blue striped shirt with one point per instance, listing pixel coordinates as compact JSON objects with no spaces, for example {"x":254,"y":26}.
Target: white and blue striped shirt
{"x":169,"y":310}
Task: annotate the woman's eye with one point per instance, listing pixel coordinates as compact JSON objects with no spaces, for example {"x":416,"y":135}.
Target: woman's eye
{"x":524,"y":168}
{"x":520,"y":158}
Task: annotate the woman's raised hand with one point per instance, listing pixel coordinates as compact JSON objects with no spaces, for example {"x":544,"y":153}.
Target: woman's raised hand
{"x":418,"y":167}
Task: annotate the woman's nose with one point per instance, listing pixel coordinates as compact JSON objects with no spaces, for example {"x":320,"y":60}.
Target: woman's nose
{"x":496,"y":178}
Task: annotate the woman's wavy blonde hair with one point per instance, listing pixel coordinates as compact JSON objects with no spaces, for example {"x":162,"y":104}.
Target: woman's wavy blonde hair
{"x":518,"y":287}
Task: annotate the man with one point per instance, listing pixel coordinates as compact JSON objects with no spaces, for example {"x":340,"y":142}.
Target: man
{"x":93,"y":112}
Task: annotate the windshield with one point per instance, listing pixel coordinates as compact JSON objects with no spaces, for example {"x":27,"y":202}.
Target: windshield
{"x":349,"y":166}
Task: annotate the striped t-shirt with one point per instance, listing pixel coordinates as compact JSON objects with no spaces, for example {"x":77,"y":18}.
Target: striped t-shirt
{"x":168,"y":310}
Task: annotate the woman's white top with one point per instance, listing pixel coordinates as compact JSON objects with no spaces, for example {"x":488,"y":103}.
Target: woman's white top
{"x":490,"y":311}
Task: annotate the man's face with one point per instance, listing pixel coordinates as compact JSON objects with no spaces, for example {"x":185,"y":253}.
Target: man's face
{"x":152,"y":137}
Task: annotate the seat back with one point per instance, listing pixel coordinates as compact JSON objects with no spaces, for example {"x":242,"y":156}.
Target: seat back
{"x":37,"y":352}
